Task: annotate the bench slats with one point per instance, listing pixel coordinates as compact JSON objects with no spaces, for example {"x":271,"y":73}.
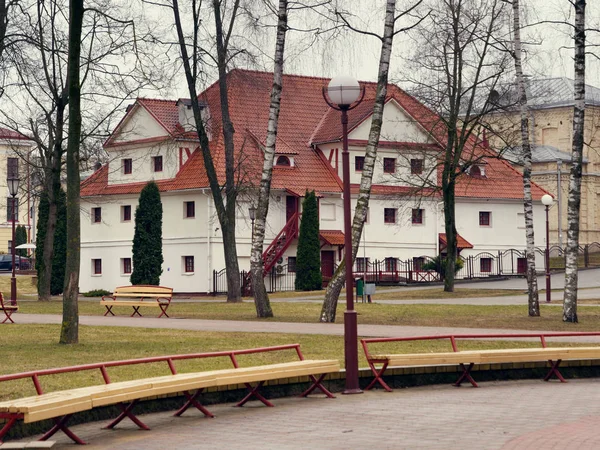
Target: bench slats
{"x":151,"y":303}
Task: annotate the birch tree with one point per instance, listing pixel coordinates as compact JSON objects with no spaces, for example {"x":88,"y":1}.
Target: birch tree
{"x":328,"y":311}
{"x":261,"y":298}
{"x":574,"y":202}
{"x":533,"y":297}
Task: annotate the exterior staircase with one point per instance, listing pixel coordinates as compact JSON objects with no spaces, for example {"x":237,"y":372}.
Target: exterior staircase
{"x":274,"y":251}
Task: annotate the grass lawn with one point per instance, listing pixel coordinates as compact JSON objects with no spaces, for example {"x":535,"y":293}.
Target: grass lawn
{"x":30,"y":347}
{"x":24,"y":286}
{"x":466,"y":316}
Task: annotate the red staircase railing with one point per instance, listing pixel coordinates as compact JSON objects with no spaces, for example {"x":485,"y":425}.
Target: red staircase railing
{"x":275,"y":250}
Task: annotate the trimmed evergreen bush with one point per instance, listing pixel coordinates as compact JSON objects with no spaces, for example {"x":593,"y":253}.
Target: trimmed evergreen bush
{"x":60,"y":241}
{"x":308,"y":258}
{"x":20,"y":238}
{"x":147,"y":240}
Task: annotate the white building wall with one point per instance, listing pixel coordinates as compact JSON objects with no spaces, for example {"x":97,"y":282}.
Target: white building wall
{"x":140,"y":125}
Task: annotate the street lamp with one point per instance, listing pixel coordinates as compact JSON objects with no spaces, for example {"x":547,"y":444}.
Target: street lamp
{"x":547,"y":201}
{"x":13,"y":187}
{"x":344,"y":93}
{"x":252,"y":213}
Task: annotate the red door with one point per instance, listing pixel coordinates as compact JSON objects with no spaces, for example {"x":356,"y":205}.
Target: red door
{"x":327,"y":263}
{"x":291,"y":207}
{"x":521,"y":265}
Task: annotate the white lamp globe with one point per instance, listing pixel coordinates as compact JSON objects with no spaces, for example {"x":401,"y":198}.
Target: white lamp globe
{"x":343,"y":90}
{"x":547,"y":199}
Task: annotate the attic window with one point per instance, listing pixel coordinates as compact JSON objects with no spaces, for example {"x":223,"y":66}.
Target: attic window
{"x":477,"y":171}
{"x":283,"y":161}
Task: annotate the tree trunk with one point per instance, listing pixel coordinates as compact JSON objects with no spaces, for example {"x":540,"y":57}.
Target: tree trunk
{"x":334,"y":286}
{"x":70,"y":323}
{"x":261,"y":298}
{"x":570,"y":295}
{"x":448,"y":195}
{"x":533,"y":296}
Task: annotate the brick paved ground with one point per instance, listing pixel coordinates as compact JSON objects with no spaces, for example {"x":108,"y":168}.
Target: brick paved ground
{"x":502,"y":415}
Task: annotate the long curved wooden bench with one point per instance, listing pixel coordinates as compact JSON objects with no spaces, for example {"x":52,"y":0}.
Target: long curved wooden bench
{"x":466,"y":359}
{"x":60,"y":405}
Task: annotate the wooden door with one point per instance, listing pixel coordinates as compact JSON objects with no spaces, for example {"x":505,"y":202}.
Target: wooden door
{"x":291,"y":207}
{"x":327,"y":263}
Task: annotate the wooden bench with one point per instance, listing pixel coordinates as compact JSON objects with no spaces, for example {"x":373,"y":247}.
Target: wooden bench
{"x":7,"y":309}
{"x":60,"y":405}
{"x":138,"y":296}
{"x":466,"y":359}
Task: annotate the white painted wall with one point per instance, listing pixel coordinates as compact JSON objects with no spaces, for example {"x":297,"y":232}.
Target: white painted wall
{"x":140,"y":125}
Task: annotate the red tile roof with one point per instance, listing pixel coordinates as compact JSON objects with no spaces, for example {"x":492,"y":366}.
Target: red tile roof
{"x":461,"y":242}
{"x":305,"y":118}
{"x":10,"y":134}
{"x":332,"y":237}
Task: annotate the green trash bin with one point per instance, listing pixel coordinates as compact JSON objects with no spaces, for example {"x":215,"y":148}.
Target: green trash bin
{"x":359,"y":287}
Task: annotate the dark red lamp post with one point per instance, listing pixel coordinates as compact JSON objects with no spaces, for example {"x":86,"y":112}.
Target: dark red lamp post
{"x":13,"y":187}
{"x":343,"y":95}
{"x":252,"y":214}
{"x":547,"y":201}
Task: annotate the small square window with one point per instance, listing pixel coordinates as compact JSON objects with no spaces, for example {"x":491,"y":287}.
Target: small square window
{"x":416,"y":166}
{"x":389,"y":165}
{"x":189,"y":209}
{"x":126,"y":213}
{"x":127,"y":166}
{"x":417,"y":216}
{"x":291,"y":263}
{"x":188,"y":264}
{"x":391,"y":264}
{"x":97,"y":266}
{"x":126,"y":265}
{"x":485,"y":218}
{"x":96,"y":215}
{"x":389,"y":215}
{"x":157,"y":163}
{"x":486,"y":264}
{"x":359,"y":163}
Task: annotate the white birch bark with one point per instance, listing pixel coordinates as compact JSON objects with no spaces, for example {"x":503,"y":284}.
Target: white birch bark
{"x":261,"y":298}
{"x":570,"y":295}
{"x":362,"y":204}
{"x":533,"y":296}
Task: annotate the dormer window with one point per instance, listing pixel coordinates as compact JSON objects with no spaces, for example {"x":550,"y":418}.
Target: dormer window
{"x":477,"y":171}
{"x":283,"y":161}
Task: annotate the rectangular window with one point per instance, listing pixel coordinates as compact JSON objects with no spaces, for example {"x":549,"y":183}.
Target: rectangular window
{"x":485,"y":218}
{"x":486,"y":264}
{"x":96,"y":215}
{"x":389,"y":165}
{"x":417,"y":216}
{"x":157,"y":163}
{"x":391,"y":264}
{"x":10,"y":247}
{"x":291,"y":263}
{"x":389,"y":215}
{"x":416,"y":166}
{"x":189,"y":209}
{"x":12,"y":204}
{"x":12,"y":168}
{"x":97,"y":266}
{"x":127,"y":166}
{"x":125,"y":213}
{"x":359,"y":163}
{"x":126,"y":265}
{"x":418,"y":263}
{"x":188,"y":264}
{"x":362,"y":264}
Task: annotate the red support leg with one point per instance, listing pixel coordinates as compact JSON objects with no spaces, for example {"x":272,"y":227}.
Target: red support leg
{"x":61,"y":424}
{"x":9,"y":424}
{"x":126,"y":412}
{"x":193,"y":401}
{"x":163,"y":309}
{"x":317,"y":384}
{"x":136,"y":311}
{"x":378,"y":377}
{"x":8,"y":313}
{"x":254,"y":393}
{"x":466,"y":375}
{"x":554,"y":371}
{"x":109,"y":310}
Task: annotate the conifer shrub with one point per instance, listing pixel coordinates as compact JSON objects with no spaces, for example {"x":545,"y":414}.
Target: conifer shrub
{"x":308,"y":258}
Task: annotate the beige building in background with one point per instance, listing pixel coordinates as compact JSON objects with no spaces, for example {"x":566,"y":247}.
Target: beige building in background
{"x":551,"y":127}
{"x":14,"y":147}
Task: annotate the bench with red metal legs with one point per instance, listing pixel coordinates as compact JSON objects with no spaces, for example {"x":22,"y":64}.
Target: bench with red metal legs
{"x":466,"y":359}
{"x":138,"y":296}
{"x":60,"y":405}
{"x":7,"y":309}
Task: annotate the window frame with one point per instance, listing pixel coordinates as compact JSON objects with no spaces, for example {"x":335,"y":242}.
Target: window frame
{"x":291,"y":264}
{"x":485,"y":265}
{"x":188,"y":263}
{"x":360,"y":264}
{"x":124,"y":215}
{"x":391,"y":264}
{"x":385,"y":216}
{"x":97,"y":266}
{"x":387,"y":168}
{"x":416,"y":166}
{"x":419,"y":217}
{"x":96,"y":214}
{"x":126,"y":264}
{"x":283,"y":161}
{"x":485,"y":218}
{"x":157,"y":163}
{"x":186,"y":209}
{"x":359,"y":163}
{"x":127,"y":165}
